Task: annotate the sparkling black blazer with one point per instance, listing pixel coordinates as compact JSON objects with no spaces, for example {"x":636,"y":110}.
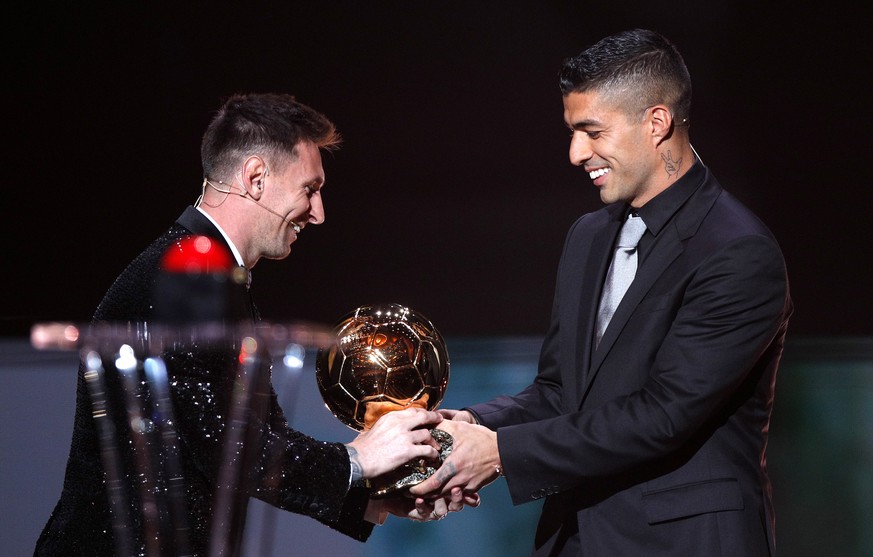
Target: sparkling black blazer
{"x":289,"y":470}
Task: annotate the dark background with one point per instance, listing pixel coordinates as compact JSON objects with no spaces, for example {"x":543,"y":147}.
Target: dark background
{"x":452,"y":192}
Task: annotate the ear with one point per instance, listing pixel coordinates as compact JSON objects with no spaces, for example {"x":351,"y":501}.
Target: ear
{"x":253,"y":173}
{"x":661,"y":122}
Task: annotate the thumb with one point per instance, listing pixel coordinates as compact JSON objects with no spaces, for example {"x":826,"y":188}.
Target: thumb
{"x":428,"y":486}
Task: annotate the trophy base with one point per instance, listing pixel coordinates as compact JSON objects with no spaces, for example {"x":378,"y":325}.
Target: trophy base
{"x":398,"y":482}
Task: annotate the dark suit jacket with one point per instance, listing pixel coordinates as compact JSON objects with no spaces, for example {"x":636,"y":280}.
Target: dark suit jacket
{"x":653,"y":443}
{"x":290,"y":470}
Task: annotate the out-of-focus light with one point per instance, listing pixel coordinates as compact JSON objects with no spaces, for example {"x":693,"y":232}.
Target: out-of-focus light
{"x":71,"y":333}
{"x":93,"y":360}
{"x":47,"y":336}
{"x":196,"y":255}
{"x":248,"y":349}
{"x":294,"y":356}
{"x":126,"y":358}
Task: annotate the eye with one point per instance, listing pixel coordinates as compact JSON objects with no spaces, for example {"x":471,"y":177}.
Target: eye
{"x":590,"y":134}
{"x":309,"y":190}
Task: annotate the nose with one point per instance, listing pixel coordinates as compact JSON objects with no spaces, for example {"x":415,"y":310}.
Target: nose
{"x":316,"y":209}
{"x":580,"y":150}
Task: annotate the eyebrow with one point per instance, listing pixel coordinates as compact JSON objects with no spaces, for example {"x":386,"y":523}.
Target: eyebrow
{"x":584,"y":124}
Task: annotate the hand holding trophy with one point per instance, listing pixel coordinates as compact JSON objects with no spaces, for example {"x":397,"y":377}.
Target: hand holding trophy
{"x":385,"y":357}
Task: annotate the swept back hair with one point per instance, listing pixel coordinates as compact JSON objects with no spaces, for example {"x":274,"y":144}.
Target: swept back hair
{"x":264,"y":124}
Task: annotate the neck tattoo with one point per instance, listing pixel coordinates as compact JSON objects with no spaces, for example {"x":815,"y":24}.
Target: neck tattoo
{"x":670,"y":166}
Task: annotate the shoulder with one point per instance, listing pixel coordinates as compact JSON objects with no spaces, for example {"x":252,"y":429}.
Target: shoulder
{"x":713,"y":217}
{"x":592,"y":222}
{"x":730,"y":221}
{"x":129,"y":297}
{"x":733,"y":247}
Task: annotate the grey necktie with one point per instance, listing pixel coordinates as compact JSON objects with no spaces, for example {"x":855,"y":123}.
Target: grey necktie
{"x":621,"y":271}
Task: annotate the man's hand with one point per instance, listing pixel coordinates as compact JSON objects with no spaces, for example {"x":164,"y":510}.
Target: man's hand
{"x":458,"y":415}
{"x":473,"y":464}
{"x":419,"y":509}
{"x":396,"y":438}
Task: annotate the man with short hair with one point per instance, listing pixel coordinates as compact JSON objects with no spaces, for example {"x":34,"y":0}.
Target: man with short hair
{"x":262,"y":187}
{"x":646,"y":426}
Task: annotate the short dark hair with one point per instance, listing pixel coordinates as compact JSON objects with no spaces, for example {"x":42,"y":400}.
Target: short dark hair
{"x":267,"y":124}
{"x":638,"y":68}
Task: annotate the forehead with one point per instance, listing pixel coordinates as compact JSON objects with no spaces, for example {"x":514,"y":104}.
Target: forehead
{"x":306,"y":162}
{"x":589,"y":109}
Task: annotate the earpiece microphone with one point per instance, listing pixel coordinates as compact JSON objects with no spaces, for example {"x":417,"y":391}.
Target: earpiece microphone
{"x":244,"y":194}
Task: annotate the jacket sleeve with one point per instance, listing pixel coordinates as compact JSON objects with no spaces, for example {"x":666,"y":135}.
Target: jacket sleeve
{"x":306,"y":476}
{"x":543,"y":398}
{"x":288,"y":469}
{"x":540,"y":401}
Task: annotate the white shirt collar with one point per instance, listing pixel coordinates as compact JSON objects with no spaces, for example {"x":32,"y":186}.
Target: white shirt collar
{"x":233,"y":250}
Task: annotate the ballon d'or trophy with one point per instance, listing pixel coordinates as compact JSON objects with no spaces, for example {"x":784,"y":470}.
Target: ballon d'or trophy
{"x":384,"y":358}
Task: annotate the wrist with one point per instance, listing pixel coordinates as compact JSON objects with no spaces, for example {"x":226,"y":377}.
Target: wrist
{"x":356,"y":472}
{"x":498,"y":466}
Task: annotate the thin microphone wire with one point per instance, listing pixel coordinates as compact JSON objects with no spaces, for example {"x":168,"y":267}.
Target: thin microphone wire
{"x":244,"y":194}
{"x":229,"y":190}
{"x":695,"y":153}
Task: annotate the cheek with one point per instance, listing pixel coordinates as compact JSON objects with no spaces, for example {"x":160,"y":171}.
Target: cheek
{"x":298,"y":204}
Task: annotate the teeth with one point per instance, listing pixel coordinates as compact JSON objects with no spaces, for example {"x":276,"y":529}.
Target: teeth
{"x":296,"y":227}
{"x":598,"y":173}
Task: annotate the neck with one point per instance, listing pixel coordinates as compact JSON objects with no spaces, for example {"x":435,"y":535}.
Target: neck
{"x":227,"y":218}
{"x":674,"y":160}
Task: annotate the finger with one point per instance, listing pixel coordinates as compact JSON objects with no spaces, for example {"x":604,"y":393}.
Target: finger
{"x":422,"y":511}
{"x":466,"y":416}
{"x":432,"y":443}
{"x":421,"y":417}
{"x":440,"y":509}
{"x":472,"y":499}
{"x":463,"y":416}
{"x":456,"y":502}
{"x":423,"y":451}
{"x":423,"y":437}
{"x":429,"y":486}
{"x":412,"y":418}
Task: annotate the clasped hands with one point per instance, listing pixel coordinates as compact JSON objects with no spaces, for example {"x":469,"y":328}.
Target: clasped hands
{"x":401,"y":436}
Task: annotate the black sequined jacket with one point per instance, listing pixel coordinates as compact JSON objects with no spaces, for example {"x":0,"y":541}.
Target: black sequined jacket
{"x":291,"y":470}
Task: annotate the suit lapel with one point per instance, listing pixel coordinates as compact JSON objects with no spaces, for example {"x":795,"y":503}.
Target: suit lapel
{"x":243,"y":304}
{"x":665,"y":249}
{"x":194,"y":221}
{"x":600,"y":255}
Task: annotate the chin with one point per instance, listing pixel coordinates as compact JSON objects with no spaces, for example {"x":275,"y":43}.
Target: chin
{"x":279,"y":254}
{"x":606,"y":198}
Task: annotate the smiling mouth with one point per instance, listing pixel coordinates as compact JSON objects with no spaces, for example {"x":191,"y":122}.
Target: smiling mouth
{"x":296,"y":227}
{"x":594,"y":174}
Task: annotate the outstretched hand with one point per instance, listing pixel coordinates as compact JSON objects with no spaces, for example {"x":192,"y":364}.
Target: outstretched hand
{"x":420,"y":509}
{"x":396,"y":438}
{"x":473,"y":464}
